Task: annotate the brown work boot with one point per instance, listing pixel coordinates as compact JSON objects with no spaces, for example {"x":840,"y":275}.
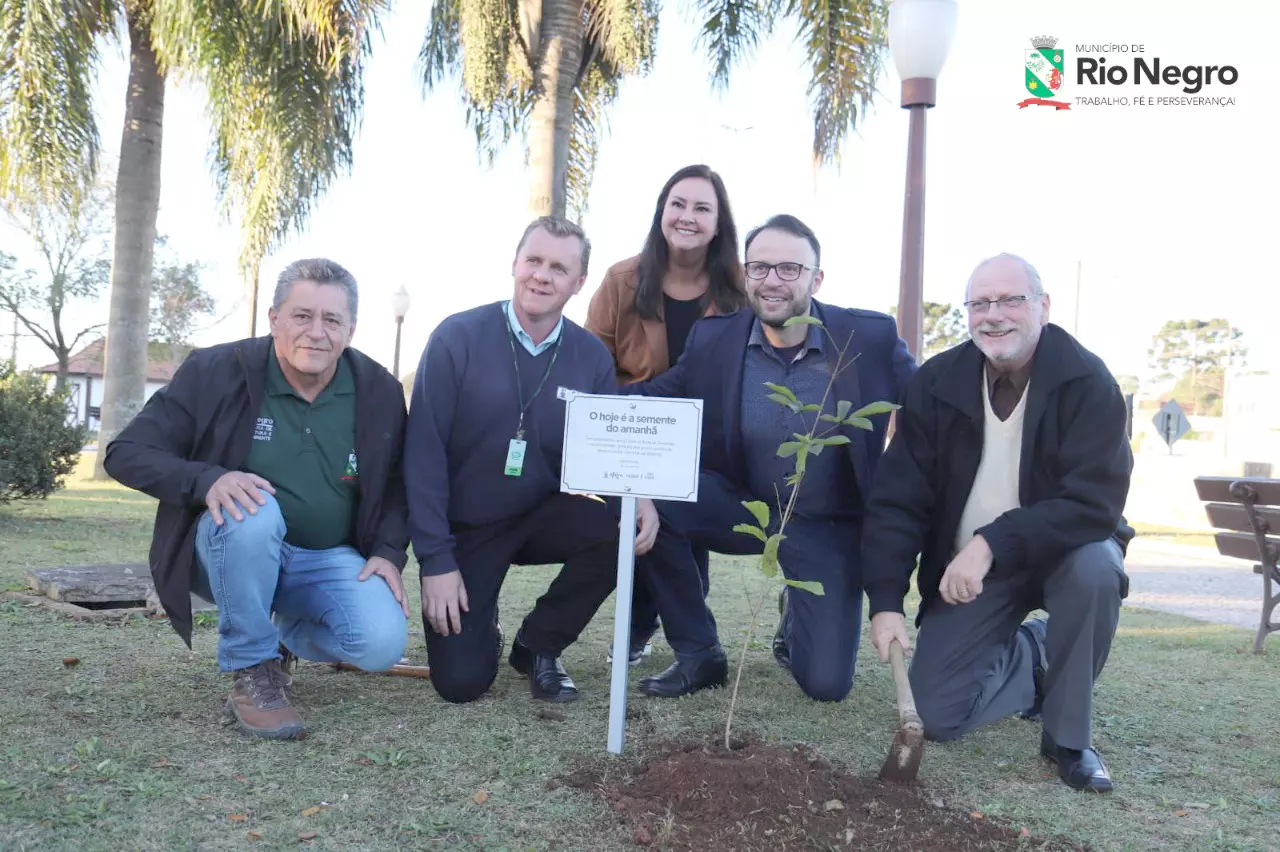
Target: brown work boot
{"x":259,"y":704}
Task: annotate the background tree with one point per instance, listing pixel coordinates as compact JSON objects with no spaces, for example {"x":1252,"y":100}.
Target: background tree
{"x":38,"y":447}
{"x":1127,"y":383}
{"x":71,"y":244}
{"x":944,"y":327}
{"x":547,"y":71}
{"x":72,"y":248}
{"x":284,"y":84}
{"x":1197,"y":354}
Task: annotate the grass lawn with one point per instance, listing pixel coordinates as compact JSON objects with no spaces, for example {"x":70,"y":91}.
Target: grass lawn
{"x":126,"y":750}
{"x":1177,"y":535}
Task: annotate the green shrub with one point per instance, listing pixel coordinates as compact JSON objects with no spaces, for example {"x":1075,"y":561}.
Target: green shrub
{"x":37,"y":445}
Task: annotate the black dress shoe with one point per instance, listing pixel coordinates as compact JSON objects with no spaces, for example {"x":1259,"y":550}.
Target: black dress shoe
{"x":781,"y":652}
{"x":548,"y":680}
{"x":1078,"y":769}
{"x":686,"y":676}
{"x":1035,"y":630}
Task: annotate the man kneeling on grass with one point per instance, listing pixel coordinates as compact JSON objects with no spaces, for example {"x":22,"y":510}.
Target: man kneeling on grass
{"x":276,"y":461}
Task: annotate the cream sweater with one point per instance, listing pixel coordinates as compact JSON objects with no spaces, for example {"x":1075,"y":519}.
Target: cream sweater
{"x":995,"y":488}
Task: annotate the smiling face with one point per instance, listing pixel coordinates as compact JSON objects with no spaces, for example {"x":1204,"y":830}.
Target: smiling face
{"x":547,"y":272}
{"x":312,"y":328}
{"x":774,"y":299}
{"x":691,"y":215}
{"x":1006,"y":314}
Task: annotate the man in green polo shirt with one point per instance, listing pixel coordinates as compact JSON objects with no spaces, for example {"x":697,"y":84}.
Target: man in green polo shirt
{"x":276,"y":463}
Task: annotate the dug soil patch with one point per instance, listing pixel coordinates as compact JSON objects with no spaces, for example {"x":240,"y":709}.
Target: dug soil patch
{"x":698,"y":796}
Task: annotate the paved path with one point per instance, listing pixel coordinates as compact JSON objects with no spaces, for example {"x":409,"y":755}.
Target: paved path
{"x":1193,"y":581}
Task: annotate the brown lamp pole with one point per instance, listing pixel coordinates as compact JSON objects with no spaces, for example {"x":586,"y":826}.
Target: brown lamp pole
{"x":920,"y":35}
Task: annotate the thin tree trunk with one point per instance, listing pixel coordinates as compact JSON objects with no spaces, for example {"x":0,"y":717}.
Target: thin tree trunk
{"x":552,"y":118}
{"x":64,"y":367}
{"x":137,"y":203}
{"x":251,"y":282}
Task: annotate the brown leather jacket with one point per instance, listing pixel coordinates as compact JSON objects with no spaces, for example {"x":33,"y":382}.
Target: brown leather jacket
{"x":638,"y":346}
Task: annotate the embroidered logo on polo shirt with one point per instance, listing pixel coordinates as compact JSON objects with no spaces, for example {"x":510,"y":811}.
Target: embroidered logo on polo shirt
{"x":264,"y":429}
{"x":352,"y":471}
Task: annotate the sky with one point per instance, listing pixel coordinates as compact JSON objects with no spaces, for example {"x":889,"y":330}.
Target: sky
{"x":1164,"y":211}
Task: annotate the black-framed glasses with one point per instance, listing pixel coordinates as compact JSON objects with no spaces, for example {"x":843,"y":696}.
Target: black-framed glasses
{"x":787,"y":271}
{"x":981,"y":306}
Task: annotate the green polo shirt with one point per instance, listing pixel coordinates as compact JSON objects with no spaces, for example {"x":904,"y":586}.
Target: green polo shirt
{"x":307,"y":451}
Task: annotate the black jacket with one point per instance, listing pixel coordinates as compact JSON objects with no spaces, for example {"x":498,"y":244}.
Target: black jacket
{"x":199,"y":426}
{"x":1073,"y":482}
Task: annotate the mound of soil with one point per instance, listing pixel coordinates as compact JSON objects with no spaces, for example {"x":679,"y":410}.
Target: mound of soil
{"x":698,"y":796}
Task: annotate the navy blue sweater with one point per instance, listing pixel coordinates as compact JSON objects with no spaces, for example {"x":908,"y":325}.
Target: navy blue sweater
{"x":463,"y":415}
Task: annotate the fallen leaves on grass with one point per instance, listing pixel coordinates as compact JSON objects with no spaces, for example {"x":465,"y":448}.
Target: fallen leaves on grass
{"x":237,"y":817}
{"x":307,"y":836}
{"x":312,"y":811}
{"x":70,"y":661}
{"x":255,"y":835}
{"x":480,"y":797}
{"x":976,"y":814}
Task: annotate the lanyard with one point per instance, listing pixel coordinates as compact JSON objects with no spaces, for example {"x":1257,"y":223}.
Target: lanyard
{"x":515,"y":362}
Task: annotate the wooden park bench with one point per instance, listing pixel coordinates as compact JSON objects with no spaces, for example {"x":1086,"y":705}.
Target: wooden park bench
{"x":1249,"y":507}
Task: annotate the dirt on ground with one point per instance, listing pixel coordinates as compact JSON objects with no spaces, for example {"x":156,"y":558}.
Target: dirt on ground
{"x":757,"y":796}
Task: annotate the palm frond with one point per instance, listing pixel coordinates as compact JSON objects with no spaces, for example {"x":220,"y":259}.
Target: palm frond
{"x":439,"y":57}
{"x":597,"y":89}
{"x":49,"y":56}
{"x":486,"y":28}
{"x":283,"y":116}
{"x":731,"y":30}
{"x":846,"y":43}
{"x":624,"y":32}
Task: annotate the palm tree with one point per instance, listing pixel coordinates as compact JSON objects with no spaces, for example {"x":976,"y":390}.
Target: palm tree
{"x":546,"y":69}
{"x":549,"y":69}
{"x":283,"y":79}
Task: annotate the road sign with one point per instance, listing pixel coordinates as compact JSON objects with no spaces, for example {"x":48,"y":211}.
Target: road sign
{"x":629,"y":447}
{"x":1171,"y":423}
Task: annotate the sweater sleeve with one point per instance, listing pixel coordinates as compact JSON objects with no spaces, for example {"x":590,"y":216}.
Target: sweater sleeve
{"x":1094,"y":464}
{"x":151,"y":453}
{"x":426,"y":464}
{"x":900,"y":508}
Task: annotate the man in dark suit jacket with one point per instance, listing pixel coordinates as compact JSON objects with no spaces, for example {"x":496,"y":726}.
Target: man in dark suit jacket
{"x":727,"y":362}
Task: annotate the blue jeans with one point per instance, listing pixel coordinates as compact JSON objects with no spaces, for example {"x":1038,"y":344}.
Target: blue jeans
{"x":322,"y":612}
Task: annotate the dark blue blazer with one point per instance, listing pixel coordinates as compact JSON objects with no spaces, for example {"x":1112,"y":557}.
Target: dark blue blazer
{"x":878,"y":369}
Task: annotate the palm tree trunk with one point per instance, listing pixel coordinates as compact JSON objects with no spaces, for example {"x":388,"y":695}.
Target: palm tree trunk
{"x":552,"y":118}
{"x":137,"y":203}
{"x":251,"y":282}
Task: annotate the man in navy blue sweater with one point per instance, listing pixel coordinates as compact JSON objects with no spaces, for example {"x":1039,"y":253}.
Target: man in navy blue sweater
{"x":727,"y":362}
{"x":482,"y":471}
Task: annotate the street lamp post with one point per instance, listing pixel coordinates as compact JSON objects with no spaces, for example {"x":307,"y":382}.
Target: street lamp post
{"x":399,"y":304}
{"x":920,"y":35}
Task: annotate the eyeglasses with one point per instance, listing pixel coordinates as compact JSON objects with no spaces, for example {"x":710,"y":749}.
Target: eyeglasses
{"x":759,"y":270}
{"x":980,"y":306}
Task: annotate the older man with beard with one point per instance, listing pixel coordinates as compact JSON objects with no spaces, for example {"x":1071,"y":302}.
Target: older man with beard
{"x":727,"y":362}
{"x":1007,"y":477}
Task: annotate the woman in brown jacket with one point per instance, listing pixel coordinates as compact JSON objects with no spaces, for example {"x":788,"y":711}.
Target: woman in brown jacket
{"x":646,"y":305}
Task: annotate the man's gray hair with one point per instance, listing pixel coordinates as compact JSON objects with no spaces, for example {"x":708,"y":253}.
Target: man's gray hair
{"x":558,"y":227}
{"x":1033,"y":276}
{"x":321,"y":271}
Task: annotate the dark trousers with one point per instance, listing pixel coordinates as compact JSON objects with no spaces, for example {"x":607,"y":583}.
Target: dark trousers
{"x":581,"y":533}
{"x":822,"y":631}
{"x":644,"y":605}
{"x":972,"y":665}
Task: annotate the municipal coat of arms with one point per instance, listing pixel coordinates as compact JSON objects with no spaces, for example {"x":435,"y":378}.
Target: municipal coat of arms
{"x":1044,"y":67}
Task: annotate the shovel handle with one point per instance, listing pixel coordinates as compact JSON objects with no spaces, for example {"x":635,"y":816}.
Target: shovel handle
{"x":906,"y":701}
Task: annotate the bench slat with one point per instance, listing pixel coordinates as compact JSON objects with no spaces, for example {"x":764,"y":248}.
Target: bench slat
{"x":1232,"y":516}
{"x":1245,"y":546}
{"x":1218,"y":488}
